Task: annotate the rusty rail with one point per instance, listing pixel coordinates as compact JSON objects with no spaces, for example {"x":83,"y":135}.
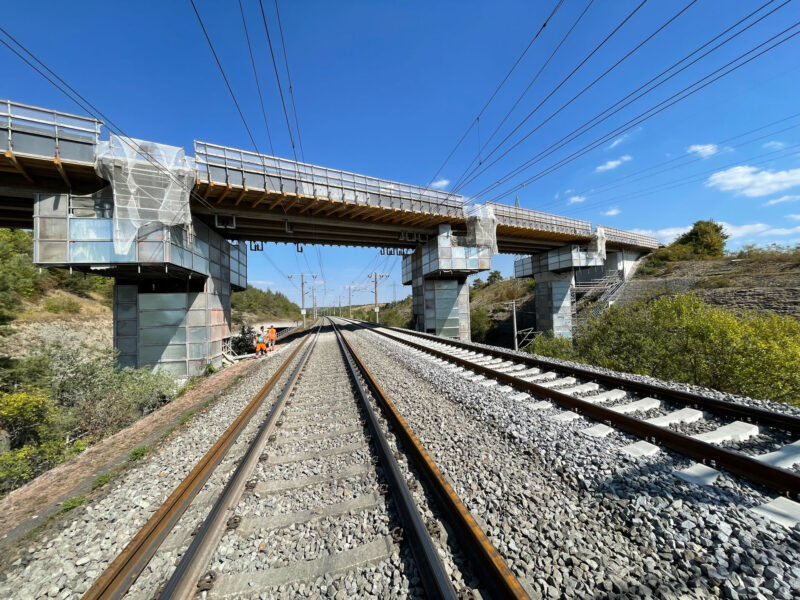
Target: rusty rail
{"x":120,"y":575}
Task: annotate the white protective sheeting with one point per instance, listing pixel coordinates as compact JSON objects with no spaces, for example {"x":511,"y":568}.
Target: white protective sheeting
{"x":597,"y":246}
{"x":481,"y":227}
{"x":151,"y":184}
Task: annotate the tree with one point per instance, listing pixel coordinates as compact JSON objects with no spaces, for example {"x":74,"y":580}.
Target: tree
{"x":477,"y":283}
{"x":494,"y":277}
{"x":705,"y":238}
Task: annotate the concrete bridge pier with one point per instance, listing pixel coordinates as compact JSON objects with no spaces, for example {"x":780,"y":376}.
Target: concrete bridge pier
{"x":437,"y":272}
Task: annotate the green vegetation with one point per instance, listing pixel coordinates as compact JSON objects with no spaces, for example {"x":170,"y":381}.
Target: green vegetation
{"x":479,"y":323}
{"x":771,"y":252}
{"x":494,"y":277}
{"x":705,"y":240}
{"x":21,"y":280}
{"x":260,"y":304}
{"x":102,"y":480}
{"x":62,"y":305}
{"x":138,"y":453}
{"x":75,"y":502}
{"x":683,"y":339}
{"x":393,"y":314}
{"x":52,"y":406}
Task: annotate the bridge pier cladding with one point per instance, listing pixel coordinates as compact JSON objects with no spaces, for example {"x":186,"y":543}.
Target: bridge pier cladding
{"x":172,"y":282}
{"x":437,"y":272}
{"x":557,"y":271}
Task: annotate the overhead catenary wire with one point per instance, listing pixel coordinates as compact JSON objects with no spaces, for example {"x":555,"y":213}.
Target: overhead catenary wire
{"x":277,"y":78}
{"x":658,"y":108}
{"x":576,"y":96}
{"x":70,"y":92}
{"x":619,"y":106}
{"x":527,"y":88}
{"x":289,"y":79}
{"x":255,"y":75}
{"x":496,"y":91}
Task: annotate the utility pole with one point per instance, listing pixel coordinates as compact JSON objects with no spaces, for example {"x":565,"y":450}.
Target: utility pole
{"x":350,"y":289}
{"x":375,"y":276}
{"x":303,"y":293}
{"x":394,"y":285}
{"x":513,"y":304}
{"x":340,"y":306}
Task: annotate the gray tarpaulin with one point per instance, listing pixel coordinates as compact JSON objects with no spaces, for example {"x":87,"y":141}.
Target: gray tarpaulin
{"x":481,"y":227}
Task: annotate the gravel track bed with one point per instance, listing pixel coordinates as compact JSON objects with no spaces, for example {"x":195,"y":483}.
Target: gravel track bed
{"x":64,"y":564}
{"x":296,"y":446}
{"x":308,"y":541}
{"x":328,"y":534}
{"x":315,"y":466}
{"x":569,"y":513}
{"x":778,"y":407}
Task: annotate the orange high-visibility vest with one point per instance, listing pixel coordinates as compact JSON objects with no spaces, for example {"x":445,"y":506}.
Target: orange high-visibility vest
{"x":272,"y":333}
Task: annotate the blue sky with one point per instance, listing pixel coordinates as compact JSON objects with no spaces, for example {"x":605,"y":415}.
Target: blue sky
{"x":387,"y":89}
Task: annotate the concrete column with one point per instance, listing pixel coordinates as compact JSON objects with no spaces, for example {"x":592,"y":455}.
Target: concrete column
{"x":554,"y":303}
{"x":437,"y":272}
{"x":171,"y":325}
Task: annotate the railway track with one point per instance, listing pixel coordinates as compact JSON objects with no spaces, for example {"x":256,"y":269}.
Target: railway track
{"x":334,"y":493}
{"x":757,"y":445}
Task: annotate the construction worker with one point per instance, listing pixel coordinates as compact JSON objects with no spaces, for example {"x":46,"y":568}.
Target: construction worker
{"x":261,"y":342}
{"x":272,"y":335}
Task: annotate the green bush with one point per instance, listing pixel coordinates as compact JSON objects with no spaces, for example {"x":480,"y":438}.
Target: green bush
{"x":479,"y":323}
{"x":683,"y":339}
{"x":138,"y":453}
{"x":62,"y":305}
{"x":547,"y":345}
{"x":23,"y":464}
{"x":24,"y":415}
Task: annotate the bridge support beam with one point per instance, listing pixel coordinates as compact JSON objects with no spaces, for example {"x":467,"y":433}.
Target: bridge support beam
{"x":437,"y":272}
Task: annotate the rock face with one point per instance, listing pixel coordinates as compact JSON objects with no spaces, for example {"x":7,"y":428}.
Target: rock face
{"x":748,"y":284}
{"x":34,"y":337}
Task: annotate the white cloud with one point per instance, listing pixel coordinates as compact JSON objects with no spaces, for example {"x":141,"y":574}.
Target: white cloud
{"x":704,"y":150}
{"x":575,"y":199}
{"x":782,"y":199}
{"x":260,"y":282}
{"x":753,"y":182}
{"x":795,"y":217}
{"x":737,"y":231}
{"x":774,"y":145}
{"x":568,"y":191}
{"x":666,"y":235}
{"x":440,"y":184}
{"x":782,"y":231}
{"x":612,"y":212}
{"x":669,"y":234}
{"x":617,"y":142}
{"x":613,"y":164}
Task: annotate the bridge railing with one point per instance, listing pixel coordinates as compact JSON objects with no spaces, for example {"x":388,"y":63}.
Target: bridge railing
{"x":39,"y":132}
{"x":241,"y":168}
{"x":525,"y":217}
{"x":630,"y":237}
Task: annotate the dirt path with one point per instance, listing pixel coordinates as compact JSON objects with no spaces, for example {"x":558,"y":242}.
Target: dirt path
{"x":26,"y":507}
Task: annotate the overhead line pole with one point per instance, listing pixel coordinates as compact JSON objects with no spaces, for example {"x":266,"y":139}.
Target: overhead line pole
{"x":375,"y":276}
{"x":303,"y":292}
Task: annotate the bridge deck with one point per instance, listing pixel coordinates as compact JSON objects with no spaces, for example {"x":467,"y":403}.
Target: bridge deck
{"x":249,"y":196}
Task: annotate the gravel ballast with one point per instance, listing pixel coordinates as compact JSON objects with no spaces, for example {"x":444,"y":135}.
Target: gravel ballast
{"x":571,"y":515}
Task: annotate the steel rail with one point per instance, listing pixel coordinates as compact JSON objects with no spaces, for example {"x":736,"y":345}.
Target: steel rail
{"x":718,"y":407}
{"x":120,"y":575}
{"x":493,"y":570}
{"x":434,"y":577}
{"x":780,"y":480}
{"x":182,"y":584}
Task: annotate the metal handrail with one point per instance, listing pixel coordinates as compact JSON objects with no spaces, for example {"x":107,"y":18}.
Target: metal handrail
{"x":48,"y":117}
{"x":533,"y":216}
{"x":630,"y":237}
{"x":207,"y":154}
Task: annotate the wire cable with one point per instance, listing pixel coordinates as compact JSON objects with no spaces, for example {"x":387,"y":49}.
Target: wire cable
{"x":255,"y":75}
{"x":291,"y":87}
{"x":494,"y":94}
{"x":277,"y":78}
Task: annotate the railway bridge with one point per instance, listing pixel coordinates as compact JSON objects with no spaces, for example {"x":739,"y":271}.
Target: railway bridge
{"x":172,"y":229}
